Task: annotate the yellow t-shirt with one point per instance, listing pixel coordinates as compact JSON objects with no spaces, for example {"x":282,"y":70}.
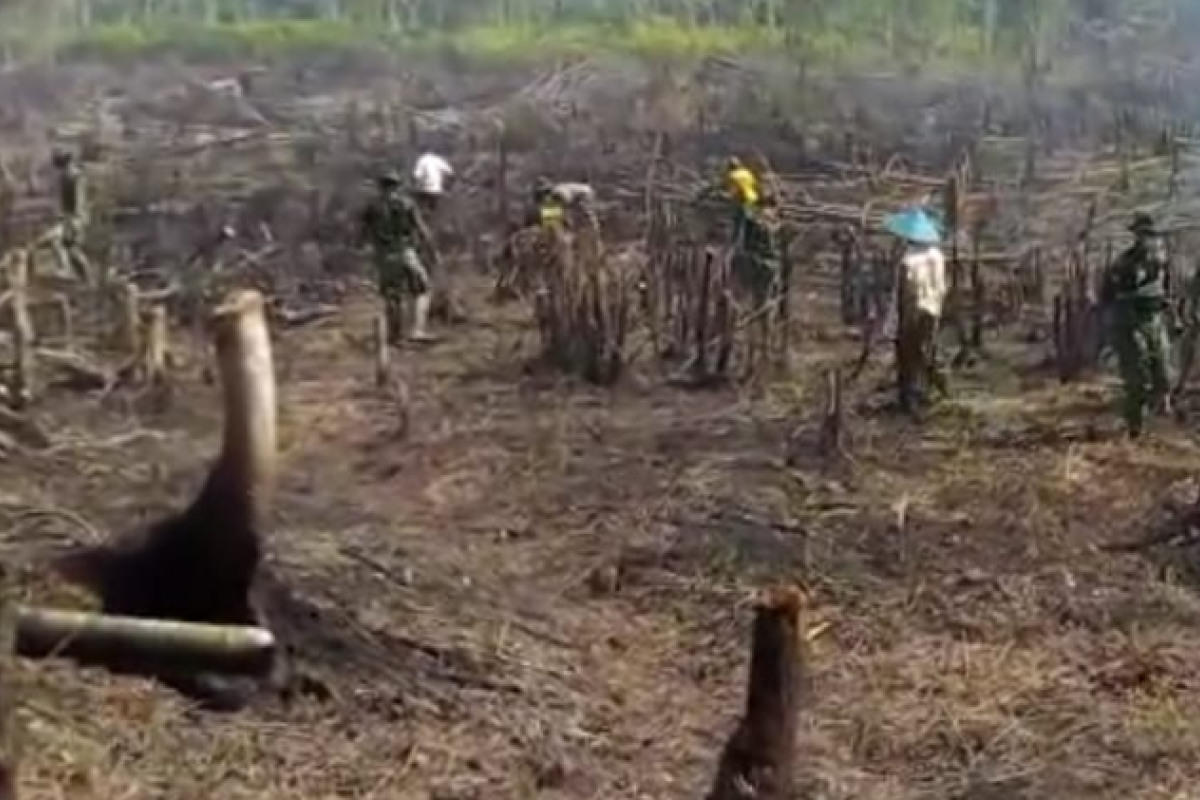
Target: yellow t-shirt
{"x":550,"y":213}
{"x":743,"y":186}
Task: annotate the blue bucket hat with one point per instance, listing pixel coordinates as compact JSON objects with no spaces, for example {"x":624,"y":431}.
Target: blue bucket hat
{"x":915,"y":225}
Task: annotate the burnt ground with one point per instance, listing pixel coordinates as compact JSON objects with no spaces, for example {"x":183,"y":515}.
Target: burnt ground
{"x":541,"y":590}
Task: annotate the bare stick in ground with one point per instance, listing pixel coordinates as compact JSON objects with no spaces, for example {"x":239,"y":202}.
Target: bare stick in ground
{"x":383,"y":369}
{"x":759,"y":759}
{"x":154,"y":346}
{"x":128,"y":334}
{"x":21,"y":390}
{"x":9,"y":724}
{"x":832,"y":443}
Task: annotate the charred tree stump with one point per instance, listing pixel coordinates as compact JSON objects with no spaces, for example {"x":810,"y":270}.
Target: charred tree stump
{"x":201,"y":565}
{"x":1078,"y":324}
{"x":21,"y":388}
{"x":759,"y":759}
{"x":10,"y":752}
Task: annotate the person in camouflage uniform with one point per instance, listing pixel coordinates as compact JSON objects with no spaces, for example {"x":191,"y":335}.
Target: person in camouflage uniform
{"x":1134,"y":292}
{"x":394,"y":227}
{"x":66,"y":238}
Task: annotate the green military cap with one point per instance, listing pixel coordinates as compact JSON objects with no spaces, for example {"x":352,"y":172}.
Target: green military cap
{"x":1143,"y":225}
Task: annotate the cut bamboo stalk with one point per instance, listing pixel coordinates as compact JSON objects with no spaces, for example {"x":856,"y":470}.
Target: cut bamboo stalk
{"x":107,"y":639}
{"x":21,"y":390}
{"x":154,"y":346}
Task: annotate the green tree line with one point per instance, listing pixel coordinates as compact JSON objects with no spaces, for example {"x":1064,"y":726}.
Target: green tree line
{"x":905,"y":28}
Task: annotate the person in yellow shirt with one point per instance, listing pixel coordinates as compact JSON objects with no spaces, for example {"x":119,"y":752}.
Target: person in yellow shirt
{"x":742,"y":184}
{"x":744,"y":194}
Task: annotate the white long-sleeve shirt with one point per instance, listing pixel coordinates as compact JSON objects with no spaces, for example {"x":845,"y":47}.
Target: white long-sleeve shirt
{"x":925,"y":276}
{"x":431,"y":172}
{"x":572,"y":193}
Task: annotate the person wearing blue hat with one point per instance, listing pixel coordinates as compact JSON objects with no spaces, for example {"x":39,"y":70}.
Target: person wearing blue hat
{"x":921,"y":296}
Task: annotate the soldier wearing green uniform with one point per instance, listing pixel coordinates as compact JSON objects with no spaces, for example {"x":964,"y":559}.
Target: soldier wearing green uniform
{"x":1135,"y":294}
{"x":393,"y":226}
{"x":66,"y":239}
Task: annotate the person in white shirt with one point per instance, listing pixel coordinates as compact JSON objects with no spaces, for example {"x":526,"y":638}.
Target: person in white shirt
{"x":432,"y":175}
{"x":921,"y":297}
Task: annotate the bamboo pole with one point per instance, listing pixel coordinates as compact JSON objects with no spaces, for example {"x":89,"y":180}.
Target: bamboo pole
{"x":108,"y":639}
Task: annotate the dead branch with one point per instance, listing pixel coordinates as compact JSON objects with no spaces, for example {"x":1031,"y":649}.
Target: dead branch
{"x":74,"y":370}
{"x":759,"y":759}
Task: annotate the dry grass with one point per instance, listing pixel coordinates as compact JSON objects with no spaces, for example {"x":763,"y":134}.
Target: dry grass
{"x":547,"y":593}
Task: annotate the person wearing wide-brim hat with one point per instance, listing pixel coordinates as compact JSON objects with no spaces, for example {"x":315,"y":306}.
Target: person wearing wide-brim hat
{"x":920,"y":299}
{"x":1134,"y":293}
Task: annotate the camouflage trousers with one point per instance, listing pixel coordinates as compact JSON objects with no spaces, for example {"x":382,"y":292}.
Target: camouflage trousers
{"x":401,"y":276}
{"x":1142,"y":357}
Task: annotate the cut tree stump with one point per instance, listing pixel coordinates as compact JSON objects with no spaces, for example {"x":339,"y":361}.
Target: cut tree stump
{"x":759,"y":759}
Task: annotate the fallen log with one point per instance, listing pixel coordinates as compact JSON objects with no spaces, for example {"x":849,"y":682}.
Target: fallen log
{"x":103,"y":639}
{"x":759,"y":759}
